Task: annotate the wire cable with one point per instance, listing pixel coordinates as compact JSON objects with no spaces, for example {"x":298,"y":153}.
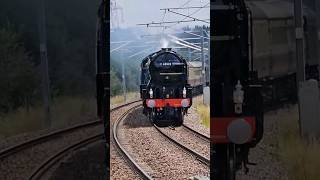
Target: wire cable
{"x":190,"y":15}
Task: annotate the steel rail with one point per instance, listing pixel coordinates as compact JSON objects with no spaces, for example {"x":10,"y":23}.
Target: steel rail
{"x":52,"y":160}
{"x":200,"y":135}
{"x":126,"y":155}
{"x":24,"y":145}
{"x":198,"y":156}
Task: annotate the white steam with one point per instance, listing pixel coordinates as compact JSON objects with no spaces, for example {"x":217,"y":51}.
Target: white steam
{"x":164,"y":43}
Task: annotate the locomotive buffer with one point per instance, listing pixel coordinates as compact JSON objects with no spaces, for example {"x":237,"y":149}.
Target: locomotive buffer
{"x":236,"y":114}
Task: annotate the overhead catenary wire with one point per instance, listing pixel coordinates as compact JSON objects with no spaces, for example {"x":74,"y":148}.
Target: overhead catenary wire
{"x":140,"y":52}
{"x":190,"y":14}
{"x":164,"y":15}
{"x":186,"y":45}
{"x":187,"y":2}
{"x":123,"y":45}
{"x":195,"y":19}
{"x":194,"y":7}
{"x":170,"y":22}
{"x":186,"y":42}
{"x":197,"y":35}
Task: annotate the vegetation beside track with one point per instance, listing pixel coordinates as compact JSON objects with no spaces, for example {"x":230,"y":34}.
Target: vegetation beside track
{"x":119,"y":99}
{"x":300,"y":158}
{"x":71,"y":46}
{"x":203,"y":111}
{"x":64,"y":111}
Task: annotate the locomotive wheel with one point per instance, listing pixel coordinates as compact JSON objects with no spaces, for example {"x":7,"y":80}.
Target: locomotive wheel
{"x":225,"y":160}
{"x":179,"y":118}
{"x":152,"y":117}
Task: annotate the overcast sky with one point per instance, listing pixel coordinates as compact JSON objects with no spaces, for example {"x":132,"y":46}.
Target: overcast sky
{"x":146,"y":11}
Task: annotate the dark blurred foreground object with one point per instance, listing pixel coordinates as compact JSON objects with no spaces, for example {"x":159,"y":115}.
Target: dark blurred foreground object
{"x":103,"y":74}
{"x":236,"y":101}
{"x":85,"y":164}
{"x":45,"y":84}
{"x":309,"y":109}
{"x":71,"y":51}
{"x":254,"y":42}
{"x":274,"y":52}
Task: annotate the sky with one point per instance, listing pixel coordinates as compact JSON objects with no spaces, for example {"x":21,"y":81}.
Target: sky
{"x":146,"y":11}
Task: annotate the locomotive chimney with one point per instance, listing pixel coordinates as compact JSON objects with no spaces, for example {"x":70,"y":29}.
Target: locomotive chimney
{"x":166,"y":49}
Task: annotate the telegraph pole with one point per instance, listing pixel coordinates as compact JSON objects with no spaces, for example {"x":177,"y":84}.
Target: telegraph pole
{"x":202,"y":57}
{"x":124,"y":88}
{"x":317,"y":9}
{"x":300,"y":65}
{"x":208,"y":60}
{"x":203,"y":65}
{"x":44,"y":62}
{"x":189,"y":54}
{"x":298,"y":14}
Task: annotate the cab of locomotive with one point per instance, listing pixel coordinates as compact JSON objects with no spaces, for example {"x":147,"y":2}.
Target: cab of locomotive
{"x":144,"y":77}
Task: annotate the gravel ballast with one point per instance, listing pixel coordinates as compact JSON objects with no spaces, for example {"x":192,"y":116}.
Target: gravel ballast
{"x":119,"y":169}
{"x":160,"y":158}
{"x":21,"y":164}
{"x":188,"y":139}
{"x":265,"y":154}
{"x":193,"y":120}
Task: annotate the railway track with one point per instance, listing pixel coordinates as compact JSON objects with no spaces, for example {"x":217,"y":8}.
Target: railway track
{"x":142,"y":152}
{"x":202,"y":136}
{"x":52,"y":160}
{"x":189,"y":150}
{"x":41,"y":167}
{"x":143,"y":174}
{"x":80,"y":135}
{"x":23,"y":145}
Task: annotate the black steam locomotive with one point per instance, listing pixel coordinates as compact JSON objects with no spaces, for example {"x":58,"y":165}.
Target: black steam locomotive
{"x":164,"y":88}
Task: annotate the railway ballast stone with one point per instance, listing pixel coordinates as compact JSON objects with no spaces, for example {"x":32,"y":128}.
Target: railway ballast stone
{"x":199,"y":178}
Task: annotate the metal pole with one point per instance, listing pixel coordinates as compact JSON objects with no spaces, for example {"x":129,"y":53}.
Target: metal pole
{"x":202,"y":57}
{"x":208,"y":63}
{"x":139,"y":76}
{"x":44,"y":63}
{"x":298,"y":14}
{"x":203,"y":63}
{"x":317,"y":9}
{"x":124,"y":88}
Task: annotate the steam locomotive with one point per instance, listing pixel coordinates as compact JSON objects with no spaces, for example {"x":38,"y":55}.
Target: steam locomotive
{"x":237,"y":117}
{"x":254,"y":68}
{"x":165,"y":87}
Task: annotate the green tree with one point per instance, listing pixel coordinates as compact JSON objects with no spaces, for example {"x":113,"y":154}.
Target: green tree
{"x":115,"y":84}
{"x":71,"y":27}
{"x":18,"y":77}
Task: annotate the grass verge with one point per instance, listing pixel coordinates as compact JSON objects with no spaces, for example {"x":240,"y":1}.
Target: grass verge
{"x":115,"y":100}
{"x":203,"y":110}
{"x":64,"y":111}
{"x":299,"y":156}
